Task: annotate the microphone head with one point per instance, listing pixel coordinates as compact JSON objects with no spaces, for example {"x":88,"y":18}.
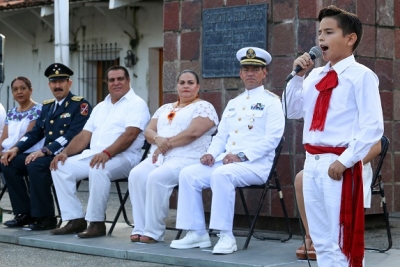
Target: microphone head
{"x":315,"y":52}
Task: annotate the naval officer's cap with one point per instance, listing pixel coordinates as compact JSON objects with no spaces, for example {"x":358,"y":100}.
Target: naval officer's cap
{"x":58,"y":71}
{"x":253,"y":56}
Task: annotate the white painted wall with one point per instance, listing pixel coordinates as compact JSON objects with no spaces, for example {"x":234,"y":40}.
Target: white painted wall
{"x":23,"y":59}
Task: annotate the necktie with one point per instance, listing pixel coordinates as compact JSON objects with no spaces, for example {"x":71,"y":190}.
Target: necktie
{"x":57,"y":106}
{"x":325,"y":88}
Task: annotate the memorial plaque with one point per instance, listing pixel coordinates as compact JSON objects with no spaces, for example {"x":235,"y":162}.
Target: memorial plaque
{"x":225,"y":31}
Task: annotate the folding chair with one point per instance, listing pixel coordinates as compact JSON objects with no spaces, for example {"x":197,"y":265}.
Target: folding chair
{"x":271,"y":183}
{"x":122,"y":200}
{"x":377,"y":189}
{"x":54,"y":195}
{"x":3,"y":190}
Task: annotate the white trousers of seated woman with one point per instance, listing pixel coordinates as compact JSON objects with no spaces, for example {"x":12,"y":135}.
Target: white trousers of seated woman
{"x":150,"y":187}
{"x":223,"y":180}
{"x":76,"y":169}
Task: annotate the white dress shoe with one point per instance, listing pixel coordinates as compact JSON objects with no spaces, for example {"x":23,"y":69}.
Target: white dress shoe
{"x":225,"y":245}
{"x":191,"y":240}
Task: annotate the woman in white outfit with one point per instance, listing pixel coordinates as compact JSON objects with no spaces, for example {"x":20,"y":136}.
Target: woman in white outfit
{"x":18,"y":121}
{"x":22,"y":118}
{"x":180,"y":134}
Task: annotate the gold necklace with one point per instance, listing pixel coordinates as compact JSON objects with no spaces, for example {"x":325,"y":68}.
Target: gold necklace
{"x":27,"y":108}
{"x":171,"y":114}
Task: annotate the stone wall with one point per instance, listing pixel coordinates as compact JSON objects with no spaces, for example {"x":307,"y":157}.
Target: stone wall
{"x":292,"y":30}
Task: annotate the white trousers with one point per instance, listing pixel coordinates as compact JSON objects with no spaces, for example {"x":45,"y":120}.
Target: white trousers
{"x":322,"y":199}
{"x":74,"y":170}
{"x":150,"y":187}
{"x":223,"y":180}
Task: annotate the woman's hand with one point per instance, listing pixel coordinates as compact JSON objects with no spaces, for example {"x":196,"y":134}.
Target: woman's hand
{"x":207,"y":159}
{"x":163,"y":144}
{"x":155,"y":155}
{"x":9,"y":155}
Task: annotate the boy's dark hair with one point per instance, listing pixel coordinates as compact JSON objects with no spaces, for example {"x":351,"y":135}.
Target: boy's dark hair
{"x":348,"y":22}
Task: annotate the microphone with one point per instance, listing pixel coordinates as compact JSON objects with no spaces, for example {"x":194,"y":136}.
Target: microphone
{"x":315,"y":52}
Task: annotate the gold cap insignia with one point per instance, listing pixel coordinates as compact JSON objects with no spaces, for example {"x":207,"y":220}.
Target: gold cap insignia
{"x":250,"y":53}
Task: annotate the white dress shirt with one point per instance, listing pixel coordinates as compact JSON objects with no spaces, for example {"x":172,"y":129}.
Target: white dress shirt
{"x":106,"y":123}
{"x":354,"y":119}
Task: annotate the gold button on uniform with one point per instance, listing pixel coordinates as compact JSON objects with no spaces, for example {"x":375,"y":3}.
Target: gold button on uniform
{"x":61,"y":132}
{"x":49,"y":143}
{"x":239,"y":119}
{"x":50,"y":133}
{"x":51,"y":122}
{"x":236,"y":131}
{"x":233,"y":143}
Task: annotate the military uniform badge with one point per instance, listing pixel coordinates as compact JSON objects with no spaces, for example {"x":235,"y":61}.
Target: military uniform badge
{"x":84,"y":109}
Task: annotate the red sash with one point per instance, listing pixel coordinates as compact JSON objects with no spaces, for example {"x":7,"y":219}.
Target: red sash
{"x":351,"y":232}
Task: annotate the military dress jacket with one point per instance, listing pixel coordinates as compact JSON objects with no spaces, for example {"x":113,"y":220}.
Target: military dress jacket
{"x":252,"y":123}
{"x":59,"y":126}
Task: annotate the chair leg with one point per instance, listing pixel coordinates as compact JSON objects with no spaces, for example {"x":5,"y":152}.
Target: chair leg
{"x":3,"y":191}
{"x":58,"y":206}
{"x":120,"y":209}
{"x":387,"y":223}
{"x":253,"y":224}
{"x":287,"y":222}
{"x":178,"y":234}
{"x":123,"y":206}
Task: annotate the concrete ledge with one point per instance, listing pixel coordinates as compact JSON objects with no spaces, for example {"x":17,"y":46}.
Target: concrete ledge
{"x":259,"y":253}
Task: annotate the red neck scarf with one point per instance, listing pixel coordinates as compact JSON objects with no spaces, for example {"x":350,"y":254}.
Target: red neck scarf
{"x":325,"y":88}
{"x":351,"y":232}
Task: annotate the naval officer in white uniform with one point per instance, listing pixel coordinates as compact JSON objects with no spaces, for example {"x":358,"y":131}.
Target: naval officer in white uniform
{"x":241,"y":154}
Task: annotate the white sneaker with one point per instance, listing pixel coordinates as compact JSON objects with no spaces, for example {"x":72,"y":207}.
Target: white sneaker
{"x":191,"y":240}
{"x":225,"y":245}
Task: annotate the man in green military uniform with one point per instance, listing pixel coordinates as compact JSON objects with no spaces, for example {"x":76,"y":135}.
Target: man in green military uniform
{"x":60,"y":120}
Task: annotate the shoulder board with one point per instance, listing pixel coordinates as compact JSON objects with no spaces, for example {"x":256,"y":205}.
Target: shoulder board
{"x":48,"y":101}
{"x":77,"y":98}
{"x":274,"y":95}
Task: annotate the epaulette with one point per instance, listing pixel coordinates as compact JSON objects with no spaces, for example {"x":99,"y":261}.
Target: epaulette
{"x":77,"y":98}
{"x":275,"y":95}
{"x":48,"y":101}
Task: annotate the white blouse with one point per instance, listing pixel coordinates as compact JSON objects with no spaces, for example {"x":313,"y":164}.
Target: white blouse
{"x":183,"y":118}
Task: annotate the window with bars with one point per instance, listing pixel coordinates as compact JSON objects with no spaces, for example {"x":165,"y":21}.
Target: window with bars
{"x":93,"y":62}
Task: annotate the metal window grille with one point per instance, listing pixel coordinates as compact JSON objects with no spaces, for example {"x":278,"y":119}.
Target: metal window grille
{"x":93,"y":62}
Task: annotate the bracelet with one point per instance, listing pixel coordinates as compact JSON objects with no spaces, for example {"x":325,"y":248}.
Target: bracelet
{"x":108,"y":153}
{"x":155,"y":137}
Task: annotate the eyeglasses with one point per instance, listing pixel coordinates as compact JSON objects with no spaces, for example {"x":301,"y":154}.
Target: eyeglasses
{"x":118,"y":79}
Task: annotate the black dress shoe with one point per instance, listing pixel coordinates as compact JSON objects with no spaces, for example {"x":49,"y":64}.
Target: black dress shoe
{"x":95,"y":229}
{"x":19,"y":220}
{"x":44,"y":223}
{"x":72,"y":227}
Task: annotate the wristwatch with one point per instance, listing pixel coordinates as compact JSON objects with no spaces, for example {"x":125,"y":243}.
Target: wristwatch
{"x":242,"y":156}
{"x":44,"y":150}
